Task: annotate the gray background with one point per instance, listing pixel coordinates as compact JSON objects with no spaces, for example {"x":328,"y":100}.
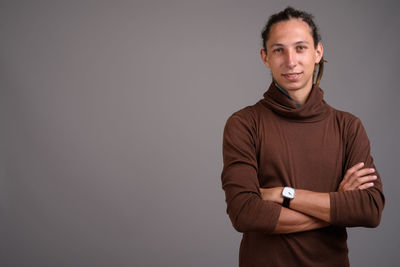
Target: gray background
{"x":112,"y":115}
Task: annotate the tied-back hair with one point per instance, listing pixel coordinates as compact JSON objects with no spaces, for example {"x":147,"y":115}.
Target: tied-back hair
{"x":291,"y":13}
{"x":320,"y":71}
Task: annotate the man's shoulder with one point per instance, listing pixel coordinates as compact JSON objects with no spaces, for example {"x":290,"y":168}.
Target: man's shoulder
{"x":344,"y":115}
{"x":248,"y":113}
{"x":346,"y":119}
{"x":247,"y":116}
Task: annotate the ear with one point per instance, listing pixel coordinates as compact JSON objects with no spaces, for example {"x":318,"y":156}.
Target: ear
{"x":319,"y":52}
{"x":264,"y":57}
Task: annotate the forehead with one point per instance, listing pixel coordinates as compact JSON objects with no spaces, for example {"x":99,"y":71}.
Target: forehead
{"x":290,"y":31}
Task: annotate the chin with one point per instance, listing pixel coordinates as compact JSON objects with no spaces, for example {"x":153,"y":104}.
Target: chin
{"x":291,"y":86}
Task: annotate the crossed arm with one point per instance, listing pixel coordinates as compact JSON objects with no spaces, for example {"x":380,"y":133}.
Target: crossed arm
{"x":359,"y":199}
{"x":311,"y":210}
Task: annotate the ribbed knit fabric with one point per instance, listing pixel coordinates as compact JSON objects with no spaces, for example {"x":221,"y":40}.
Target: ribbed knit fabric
{"x":275,"y":143}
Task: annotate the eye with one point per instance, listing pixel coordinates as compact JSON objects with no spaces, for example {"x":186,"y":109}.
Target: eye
{"x":301,"y":48}
{"x":277,"y":50}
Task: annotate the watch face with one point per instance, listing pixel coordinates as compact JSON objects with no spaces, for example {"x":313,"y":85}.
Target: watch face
{"x":288,"y":192}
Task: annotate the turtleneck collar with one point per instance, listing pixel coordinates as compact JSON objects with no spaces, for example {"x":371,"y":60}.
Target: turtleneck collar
{"x":314,"y":109}
{"x":283,"y":90}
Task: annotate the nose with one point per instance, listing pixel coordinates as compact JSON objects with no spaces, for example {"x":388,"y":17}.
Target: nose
{"x":291,"y":59}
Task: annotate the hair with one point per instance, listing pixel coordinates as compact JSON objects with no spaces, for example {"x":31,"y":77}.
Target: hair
{"x":288,"y":14}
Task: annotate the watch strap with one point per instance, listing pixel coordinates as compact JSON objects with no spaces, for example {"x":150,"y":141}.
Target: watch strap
{"x":286,"y":202}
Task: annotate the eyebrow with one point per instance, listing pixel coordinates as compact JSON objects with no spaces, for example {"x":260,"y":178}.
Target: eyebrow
{"x":296,"y":43}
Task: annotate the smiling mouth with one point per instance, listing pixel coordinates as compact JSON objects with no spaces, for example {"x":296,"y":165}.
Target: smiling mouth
{"x":292,"y":76}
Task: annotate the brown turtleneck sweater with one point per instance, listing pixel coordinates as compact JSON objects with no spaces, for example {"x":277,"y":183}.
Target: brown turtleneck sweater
{"x":275,"y":143}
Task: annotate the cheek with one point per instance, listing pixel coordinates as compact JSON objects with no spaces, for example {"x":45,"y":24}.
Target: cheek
{"x":274,"y":68}
{"x":309,"y":61}
{"x":275,"y":63}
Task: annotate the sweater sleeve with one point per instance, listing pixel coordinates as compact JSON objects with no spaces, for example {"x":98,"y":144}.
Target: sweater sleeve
{"x":358,"y":207}
{"x":247,"y":211}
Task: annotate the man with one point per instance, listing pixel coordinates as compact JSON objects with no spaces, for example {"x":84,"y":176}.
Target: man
{"x":297,"y":172}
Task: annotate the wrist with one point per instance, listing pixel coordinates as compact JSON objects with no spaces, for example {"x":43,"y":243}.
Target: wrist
{"x":279,"y":198}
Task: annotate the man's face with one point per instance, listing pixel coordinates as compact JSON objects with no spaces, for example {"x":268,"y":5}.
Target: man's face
{"x":291,"y":54}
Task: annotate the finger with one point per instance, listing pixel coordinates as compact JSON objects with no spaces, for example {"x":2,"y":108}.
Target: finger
{"x":366,"y":179}
{"x":365,"y":186}
{"x":364,"y":172}
{"x":353,"y":169}
{"x":356,"y":167}
{"x":353,"y":179}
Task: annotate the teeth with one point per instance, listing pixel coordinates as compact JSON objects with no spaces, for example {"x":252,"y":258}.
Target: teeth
{"x":292,"y":74}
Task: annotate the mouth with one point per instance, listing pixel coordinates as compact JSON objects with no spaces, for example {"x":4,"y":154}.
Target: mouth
{"x":292,"y":76}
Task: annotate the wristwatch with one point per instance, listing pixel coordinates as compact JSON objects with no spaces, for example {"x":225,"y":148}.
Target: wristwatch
{"x":288,"y":194}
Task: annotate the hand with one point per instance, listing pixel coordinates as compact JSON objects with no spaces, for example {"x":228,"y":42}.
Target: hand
{"x":357,"y":178}
{"x":272,"y":194}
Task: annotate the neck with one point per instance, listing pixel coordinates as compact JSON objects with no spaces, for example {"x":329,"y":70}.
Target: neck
{"x":299,"y":96}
